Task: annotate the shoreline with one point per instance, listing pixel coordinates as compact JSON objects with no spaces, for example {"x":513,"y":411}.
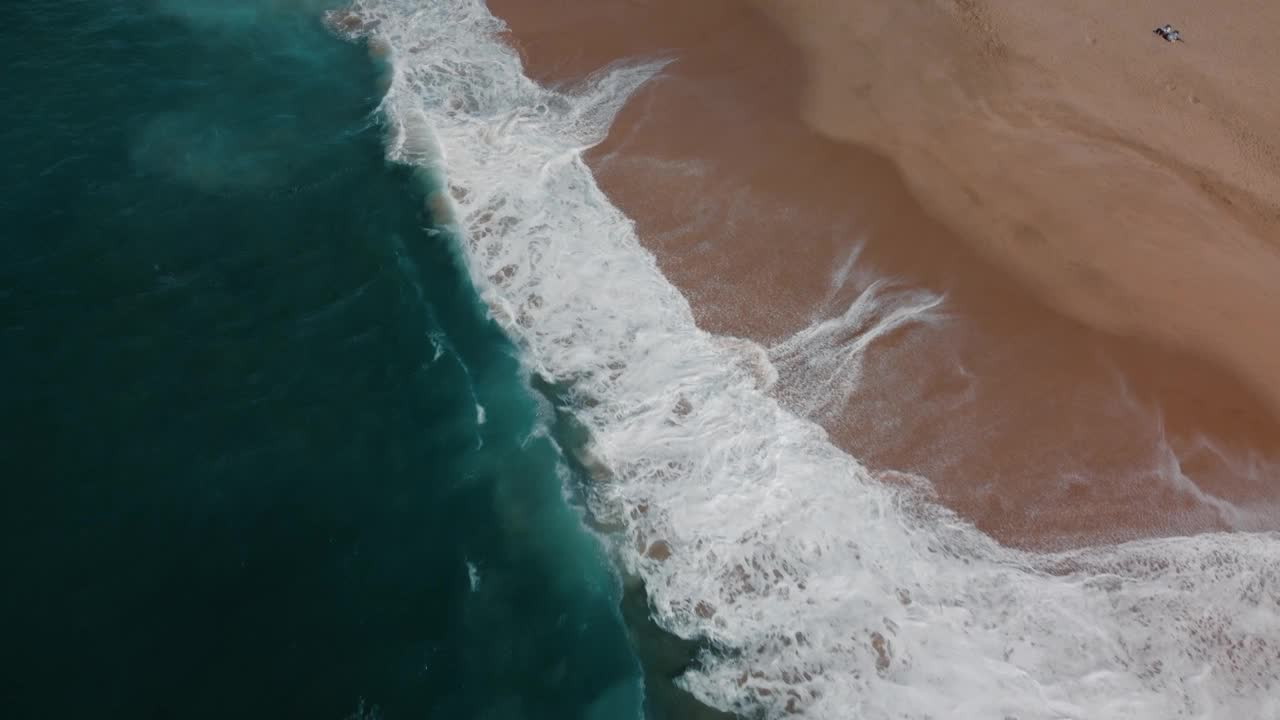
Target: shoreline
{"x":717,"y":150}
{"x":830,"y":590}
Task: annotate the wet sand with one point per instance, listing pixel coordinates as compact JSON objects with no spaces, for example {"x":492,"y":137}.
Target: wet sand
{"x":1090,"y":380}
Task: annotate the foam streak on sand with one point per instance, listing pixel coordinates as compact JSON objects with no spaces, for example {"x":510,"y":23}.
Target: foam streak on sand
{"x":826,"y":592}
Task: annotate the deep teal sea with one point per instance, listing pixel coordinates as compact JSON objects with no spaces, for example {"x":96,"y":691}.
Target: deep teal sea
{"x":264,"y":455}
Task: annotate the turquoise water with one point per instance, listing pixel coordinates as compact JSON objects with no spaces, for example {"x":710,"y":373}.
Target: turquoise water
{"x":265,"y":455}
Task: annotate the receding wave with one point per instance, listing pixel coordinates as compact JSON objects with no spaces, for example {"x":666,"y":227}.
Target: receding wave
{"x":824,"y":591}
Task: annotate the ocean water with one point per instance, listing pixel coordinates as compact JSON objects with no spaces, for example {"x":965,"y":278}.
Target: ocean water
{"x":265,"y":454}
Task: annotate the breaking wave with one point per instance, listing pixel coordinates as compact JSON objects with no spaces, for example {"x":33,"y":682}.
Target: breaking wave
{"x":823,"y":590}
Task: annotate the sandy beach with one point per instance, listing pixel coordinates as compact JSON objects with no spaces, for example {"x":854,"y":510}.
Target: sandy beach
{"x":1096,"y":208}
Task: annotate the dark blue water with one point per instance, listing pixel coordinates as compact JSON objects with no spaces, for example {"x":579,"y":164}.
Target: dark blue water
{"x":245,"y":472}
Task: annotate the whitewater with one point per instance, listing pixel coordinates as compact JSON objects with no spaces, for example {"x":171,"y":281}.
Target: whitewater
{"x":822,"y":590}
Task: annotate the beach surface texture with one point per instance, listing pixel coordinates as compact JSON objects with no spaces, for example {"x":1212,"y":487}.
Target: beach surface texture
{"x":1098,"y":208}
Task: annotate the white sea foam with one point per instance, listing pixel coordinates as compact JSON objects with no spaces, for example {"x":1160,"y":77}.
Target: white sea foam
{"x":826,"y":358}
{"x":473,"y":576}
{"x":828,"y":592}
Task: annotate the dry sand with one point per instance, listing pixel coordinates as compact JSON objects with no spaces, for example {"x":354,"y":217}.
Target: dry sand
{"x":1133,"y":182}
{"x":1098,"y":206}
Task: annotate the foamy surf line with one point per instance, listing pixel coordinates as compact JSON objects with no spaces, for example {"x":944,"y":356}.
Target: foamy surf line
{"x":826,"y":592}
